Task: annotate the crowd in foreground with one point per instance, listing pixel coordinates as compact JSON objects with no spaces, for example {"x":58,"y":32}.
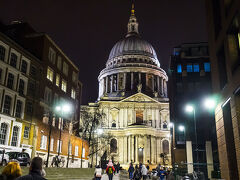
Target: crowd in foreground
{"x":13,"y":171}
{"x":139,"y":172}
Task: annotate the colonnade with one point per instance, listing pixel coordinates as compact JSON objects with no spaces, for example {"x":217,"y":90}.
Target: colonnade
{"x":131,"y":145}
{"x":129,"y":81}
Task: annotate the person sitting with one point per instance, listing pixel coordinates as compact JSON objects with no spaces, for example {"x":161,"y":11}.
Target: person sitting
{"x":35,"y":170}
{"x":11,"y":171}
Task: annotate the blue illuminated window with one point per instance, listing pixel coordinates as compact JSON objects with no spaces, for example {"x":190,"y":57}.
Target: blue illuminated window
{"x":179,"y":68}
{"x":207,"y":67}
{"x":196,"y":68}
{"x":189,"y":68}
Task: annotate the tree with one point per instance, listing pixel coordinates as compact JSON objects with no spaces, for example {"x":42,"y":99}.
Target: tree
{"x":91,"y":120}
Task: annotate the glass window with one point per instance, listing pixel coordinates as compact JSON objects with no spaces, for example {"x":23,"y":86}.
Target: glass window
{"x":15,"y":136}
{"x":7,"y":104}
{"x":70,"y":149}
{"x":1,"y":71}
{"x":26,"y":132}
{"x":64,"y":85}
{"x":189,"y":68}
{"x":50,"y":74}
{"x":2,"y":53}
{"x":24,"y":66}
{"x":60,"y":146}
{"x":21,"y":87}
{"x":3,"y":133}
{"x":65,"y":68}
{"x":48,"y":95}
{"x":165,"y":145}
{"x":74,"y":77}
{"x":59,"y":63}
{"x":52,"y":144}
{"x":195,"y":67}
{"x":207,"y":67}
{"x":29,"y":107}
{"x":43,"y":142}
{"x":73,"y":94}
{"x":179,"y":68}
{"x":51,"y":55}
{"x":18,"y":109}
{"x":33,"y":71}
{"x":83,"y":152}
{"x":57,"y":80}
{"x":76,"y":151}
{"x":13,"y":60}
{"x":10,"y":80}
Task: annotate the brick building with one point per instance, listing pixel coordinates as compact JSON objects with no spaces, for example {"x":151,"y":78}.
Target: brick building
{"x":54,"y":82}
{"x":223,"y":18}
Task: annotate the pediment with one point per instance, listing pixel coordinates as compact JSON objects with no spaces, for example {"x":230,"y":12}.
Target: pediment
{"x":140,"y":97}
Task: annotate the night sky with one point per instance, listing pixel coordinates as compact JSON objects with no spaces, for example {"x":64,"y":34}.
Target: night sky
{"x":86,"y":30}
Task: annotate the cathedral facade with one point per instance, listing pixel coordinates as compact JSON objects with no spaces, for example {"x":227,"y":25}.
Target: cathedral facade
{"x":133,"y":97}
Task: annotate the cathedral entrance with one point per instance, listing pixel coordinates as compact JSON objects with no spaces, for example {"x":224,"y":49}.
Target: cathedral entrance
{"x":139,"y":117}
{"x":140,"y":155}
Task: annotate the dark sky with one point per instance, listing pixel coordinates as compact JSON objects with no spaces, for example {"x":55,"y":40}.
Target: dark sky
{"x":86,"y":30}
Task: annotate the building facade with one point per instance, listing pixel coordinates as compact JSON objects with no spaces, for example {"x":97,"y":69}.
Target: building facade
{"x":53,"y":82}
{"x":190,"y":83}
{"x":224,"y":43}
{"x":16,"y":128}
{"x":133,"y":97}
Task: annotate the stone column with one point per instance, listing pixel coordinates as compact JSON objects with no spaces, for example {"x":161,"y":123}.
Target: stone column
{"x":107,"y":79}
{"x":162,"y":88}
{"x":158,"y":84}
{"x":145,"y":149}
{"x":132,"y":80}
{"x":129,"y":157}
{"x":117,"y":82}
{"x":125,"y":154}
{"x":111,"y":90}
{"x":209,"y":158}
{"x":157,"y":118}
{"x":153,"y":83}
{"x":104,"y":85}
{"x":132,"y":145}
{"x":165,"y":88}
{"x":124,"y":80}
{"x":136,"y":149}
{"x":140,"y":79}
{"x":189,"y":156}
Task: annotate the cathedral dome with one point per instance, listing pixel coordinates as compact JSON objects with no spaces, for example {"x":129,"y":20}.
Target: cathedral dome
{"x":133,"y":44}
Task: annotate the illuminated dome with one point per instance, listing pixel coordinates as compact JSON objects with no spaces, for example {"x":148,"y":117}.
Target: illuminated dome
{"x":133,"y":44}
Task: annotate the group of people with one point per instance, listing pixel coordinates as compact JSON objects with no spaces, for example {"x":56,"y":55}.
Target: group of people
{"x":142,"y":172}
{"x":110,"y":170}
{"x":13,"y":171}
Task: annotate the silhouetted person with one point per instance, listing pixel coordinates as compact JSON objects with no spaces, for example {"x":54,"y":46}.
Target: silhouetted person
{"x":11,"y":171}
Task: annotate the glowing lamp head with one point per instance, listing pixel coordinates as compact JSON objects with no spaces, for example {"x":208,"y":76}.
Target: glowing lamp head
{"x":210,"y":103}
{"x":171,"y":124}
{"x":189,"y":108}
{"x":99,"y":131}
{"x":66,"y":108}
{"x":181,"y":128}
{"x":58,"y":108}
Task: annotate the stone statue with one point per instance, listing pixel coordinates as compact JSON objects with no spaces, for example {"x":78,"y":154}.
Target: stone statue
{"x":139,"y":87}
{"x":155,"y":94}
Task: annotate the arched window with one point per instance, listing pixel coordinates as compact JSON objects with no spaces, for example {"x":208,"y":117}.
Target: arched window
{"x":113,"y":124}
{"x":165,"y":145}
{"x":165,"y":125}
{"x":15,"y":136}
{"x":2,"y":53}
{"x":113,"y":146}
{"x":3,"y":133}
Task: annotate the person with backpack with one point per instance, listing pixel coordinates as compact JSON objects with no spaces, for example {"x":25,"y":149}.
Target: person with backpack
{"x":110,"y":170}
{"x":98,"y":172}
{"x":130,"y":171}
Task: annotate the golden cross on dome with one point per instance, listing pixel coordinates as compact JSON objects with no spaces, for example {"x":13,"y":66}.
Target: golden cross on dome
{"x":133,"y":11}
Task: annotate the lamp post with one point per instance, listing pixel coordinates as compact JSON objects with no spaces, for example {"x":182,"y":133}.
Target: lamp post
{"x":191,"y":109}
{"x":99,"y":132}
{"x":50,"y":117}
{"x":62,"y":109}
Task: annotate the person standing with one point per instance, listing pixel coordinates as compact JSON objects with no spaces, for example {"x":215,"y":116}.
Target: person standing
{"x":11,"y":171}
{"x":110,"y":170}
{"x":35,"y":170}
{"x":98,"y":173}
{"x":144,"y":172}
{"x":137,"y":174}
{"x":162,"y":173}
{"x":118,"y":167}
{"x":130,"y":171}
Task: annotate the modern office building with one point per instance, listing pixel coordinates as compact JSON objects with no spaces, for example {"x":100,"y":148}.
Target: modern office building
{"x":223,"y":19}
{"x":194,"y":139}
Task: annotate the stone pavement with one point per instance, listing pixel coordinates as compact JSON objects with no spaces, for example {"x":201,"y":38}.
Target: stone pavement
{"x":115,"y":177}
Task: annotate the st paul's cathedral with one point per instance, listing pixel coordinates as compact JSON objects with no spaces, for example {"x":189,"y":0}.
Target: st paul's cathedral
{"x":133,"y":97}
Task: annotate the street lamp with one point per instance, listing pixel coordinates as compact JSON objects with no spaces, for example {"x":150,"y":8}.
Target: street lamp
{"x":191,"y":109}
{"x":209,"y":103}
{"x":99,"y":132}
{"x":181,"y":128}
{"x":62,"y":109}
